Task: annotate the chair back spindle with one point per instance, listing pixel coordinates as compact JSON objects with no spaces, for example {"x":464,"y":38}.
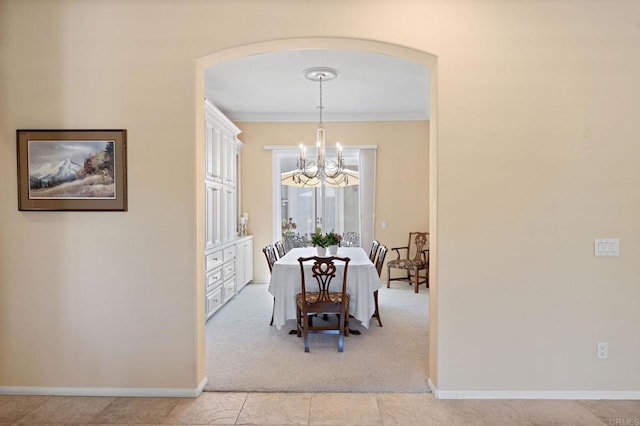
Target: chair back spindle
{"x":419,"y":241}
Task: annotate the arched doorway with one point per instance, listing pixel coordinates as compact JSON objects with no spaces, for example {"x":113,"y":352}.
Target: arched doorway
{"x":317,"y":43}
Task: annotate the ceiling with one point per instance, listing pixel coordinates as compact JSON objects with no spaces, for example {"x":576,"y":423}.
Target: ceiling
{"x":272,"y":87}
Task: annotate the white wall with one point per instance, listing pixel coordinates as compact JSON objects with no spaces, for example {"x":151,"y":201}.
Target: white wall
{"x":537,"y":150}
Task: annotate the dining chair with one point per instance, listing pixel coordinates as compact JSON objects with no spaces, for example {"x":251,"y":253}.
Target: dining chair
{"x":280,"y":250}
{"x":270,"y":254}
{"x":292,"y":241}
{"x":374,"y":250}
{"x":415,"y":260}
{"x":382,"y":253}
{"x":350,"y":239}
{"x":316,"y":298}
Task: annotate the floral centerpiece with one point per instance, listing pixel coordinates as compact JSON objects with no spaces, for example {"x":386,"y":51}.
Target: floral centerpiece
{"x":319,"y":239}
{"x":322,"y":241}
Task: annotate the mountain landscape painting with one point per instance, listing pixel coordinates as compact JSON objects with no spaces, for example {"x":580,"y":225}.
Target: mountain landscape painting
{"x":71,"y":169}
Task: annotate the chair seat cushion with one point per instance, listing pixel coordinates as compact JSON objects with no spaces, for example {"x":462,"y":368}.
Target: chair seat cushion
{"x":407,"y":264}
{"x":312,"y":297}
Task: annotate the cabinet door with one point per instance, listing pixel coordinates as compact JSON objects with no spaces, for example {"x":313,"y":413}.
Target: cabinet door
{"x":228,"y":159}
{"x":213,"y":151}
{"x":244,"y":264}
{"x":209,"y":153}
{"x":240,"y":269}
{"x":213,"y":210}
{"x":248,"y":264}
{"x":229,"y":214}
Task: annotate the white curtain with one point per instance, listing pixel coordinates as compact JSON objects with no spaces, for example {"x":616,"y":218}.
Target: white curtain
{"x":367,"y":196}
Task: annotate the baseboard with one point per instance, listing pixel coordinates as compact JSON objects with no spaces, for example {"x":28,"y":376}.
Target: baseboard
{"x":201,"y":386}
{"x":434,"y":389}
{"x":122,"y":392}
{"x":495,"y":394}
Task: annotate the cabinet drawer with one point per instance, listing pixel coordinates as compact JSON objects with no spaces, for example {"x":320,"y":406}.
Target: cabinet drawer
{"x":229,"y":253}
{"x":228,"y":270}
{"x":214,"y":301}
{"x":214,"y":259}
{"x":213,"y":279}
{"x":229,"y":289}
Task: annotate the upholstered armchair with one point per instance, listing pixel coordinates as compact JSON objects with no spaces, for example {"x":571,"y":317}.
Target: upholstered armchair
{"x":413,"y":259}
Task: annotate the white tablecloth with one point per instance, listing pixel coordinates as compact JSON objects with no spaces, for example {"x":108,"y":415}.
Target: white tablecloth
{"x":362,"y":281}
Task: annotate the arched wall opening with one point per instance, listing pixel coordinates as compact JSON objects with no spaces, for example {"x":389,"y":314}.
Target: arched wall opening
{"x":401,"y":52}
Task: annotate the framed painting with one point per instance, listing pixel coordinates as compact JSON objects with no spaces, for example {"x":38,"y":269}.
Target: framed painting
{"x":74,"y":170}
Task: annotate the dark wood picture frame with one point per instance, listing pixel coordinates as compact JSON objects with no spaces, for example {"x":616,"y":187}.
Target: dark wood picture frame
{"x":72,"y":170}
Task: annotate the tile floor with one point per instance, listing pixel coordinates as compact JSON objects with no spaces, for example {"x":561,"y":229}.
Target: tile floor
{"x":312,"y":409}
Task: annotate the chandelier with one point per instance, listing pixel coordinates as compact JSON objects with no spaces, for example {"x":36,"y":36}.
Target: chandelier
{"x":320,"y":169}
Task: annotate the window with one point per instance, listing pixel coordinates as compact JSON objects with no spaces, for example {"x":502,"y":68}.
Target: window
{"x":300,"y":209}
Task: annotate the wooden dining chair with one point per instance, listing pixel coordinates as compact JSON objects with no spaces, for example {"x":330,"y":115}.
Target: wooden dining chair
{"x":270,"y":254}
{"x":280,"y":250}
{"x":374,"y":250}
{"x":382,"y":253}
{"x":413,"y":260}
{"x":316,"y":298}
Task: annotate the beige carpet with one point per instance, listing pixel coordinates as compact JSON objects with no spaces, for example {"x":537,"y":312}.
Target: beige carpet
{"x":245,"y":354}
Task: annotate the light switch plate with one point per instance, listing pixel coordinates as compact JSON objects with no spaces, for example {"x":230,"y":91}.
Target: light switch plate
{"x":607,"y":247}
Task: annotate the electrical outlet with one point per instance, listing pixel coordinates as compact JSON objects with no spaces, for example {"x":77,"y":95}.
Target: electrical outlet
{"x":603,"y":350}
{"x":607,"y":247}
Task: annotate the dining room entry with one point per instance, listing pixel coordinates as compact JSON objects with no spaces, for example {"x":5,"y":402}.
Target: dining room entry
{"x":298,"y":209}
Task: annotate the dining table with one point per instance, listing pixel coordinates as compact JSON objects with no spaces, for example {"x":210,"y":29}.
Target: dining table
{"x":362,"y":282}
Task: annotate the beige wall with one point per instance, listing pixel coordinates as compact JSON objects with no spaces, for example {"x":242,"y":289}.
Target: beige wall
{"x":537,"y":154}
{"x":402,"y":175}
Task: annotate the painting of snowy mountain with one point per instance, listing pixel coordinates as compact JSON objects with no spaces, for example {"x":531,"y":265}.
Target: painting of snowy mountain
{"x":71,"y":169}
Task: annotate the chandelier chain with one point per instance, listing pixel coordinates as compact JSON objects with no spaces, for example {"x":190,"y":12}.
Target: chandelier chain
{"x":321,"y":107}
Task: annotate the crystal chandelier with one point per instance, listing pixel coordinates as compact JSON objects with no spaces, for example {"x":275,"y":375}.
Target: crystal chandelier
{"x":320,"y":169}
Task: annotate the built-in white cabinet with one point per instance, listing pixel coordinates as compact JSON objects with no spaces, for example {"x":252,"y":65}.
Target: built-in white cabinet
{"x":228,"y":257}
